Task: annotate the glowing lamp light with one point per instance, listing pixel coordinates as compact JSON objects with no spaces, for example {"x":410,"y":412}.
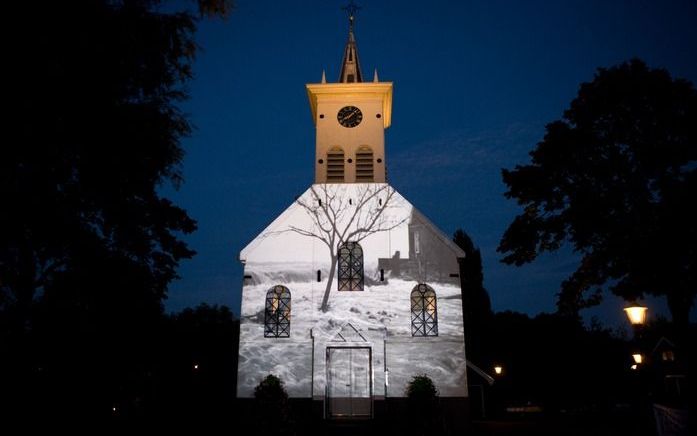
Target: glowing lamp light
{"x":195,"y":365}
{"x":636,"y":314}
{"x":633,"y":366}
{"x":638,"y":358}
{"x":498,"y":369}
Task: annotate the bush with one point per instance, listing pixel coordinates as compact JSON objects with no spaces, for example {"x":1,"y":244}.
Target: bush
{"x":421,"y":388}
{"x":272,"y":406}
{"x":424,"y":413}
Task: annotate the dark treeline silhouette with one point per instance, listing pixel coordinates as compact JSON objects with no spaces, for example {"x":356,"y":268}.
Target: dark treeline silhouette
{"x":476,"y":303}
{"x":616,"y":179}
{"x":88,"y":245}
{"x":555,"y":366}
{"x":550,"y":359}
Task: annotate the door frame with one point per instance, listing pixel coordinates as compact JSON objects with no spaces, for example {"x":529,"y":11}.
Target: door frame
{"x":326,"y":380}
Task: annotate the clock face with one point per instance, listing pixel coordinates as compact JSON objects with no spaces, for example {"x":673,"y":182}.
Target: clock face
{"x":349,"y":116}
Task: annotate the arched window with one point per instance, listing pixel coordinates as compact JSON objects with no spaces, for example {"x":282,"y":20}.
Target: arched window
{"x":364,"y":165}
{"x":350,"y":267}
{"x":424,"y":317}
{"x":277,"y":313}
{"x":335,"y":165}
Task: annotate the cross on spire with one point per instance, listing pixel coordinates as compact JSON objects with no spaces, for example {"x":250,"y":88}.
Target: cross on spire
{"x":351,"y":10}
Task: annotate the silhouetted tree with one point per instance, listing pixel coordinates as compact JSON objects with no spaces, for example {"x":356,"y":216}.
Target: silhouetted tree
{"x":196,"y":366}
{"x":88,"y":245}
{"x":615,"y":178}
{"x":476,"y":304}
{"x":552,"y":360}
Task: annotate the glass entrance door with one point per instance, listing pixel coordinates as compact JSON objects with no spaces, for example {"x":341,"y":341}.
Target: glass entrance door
{"x":349,"y":393}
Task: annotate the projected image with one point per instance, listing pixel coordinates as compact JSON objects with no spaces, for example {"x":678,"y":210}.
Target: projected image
{"x":351,"y":266}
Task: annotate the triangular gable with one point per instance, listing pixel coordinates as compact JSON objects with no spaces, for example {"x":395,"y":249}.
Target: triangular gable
{"x":348,"y":333}
{"x":295,"y":215}
{"x":417,"y":216}
{"x":663,"y":344}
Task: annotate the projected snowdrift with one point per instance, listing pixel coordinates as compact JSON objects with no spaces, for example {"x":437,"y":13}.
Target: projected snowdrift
{"x":400,"y":249}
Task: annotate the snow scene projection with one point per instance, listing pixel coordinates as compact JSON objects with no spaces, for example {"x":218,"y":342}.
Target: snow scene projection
{"x":351,"y":282}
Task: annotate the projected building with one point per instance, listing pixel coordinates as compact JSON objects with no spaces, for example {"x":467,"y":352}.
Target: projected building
{"x":351,"y":291}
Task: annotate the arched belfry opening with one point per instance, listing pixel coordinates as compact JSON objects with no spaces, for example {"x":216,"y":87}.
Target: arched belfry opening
{"x":364,"y":165}
{"x":335,"y":165}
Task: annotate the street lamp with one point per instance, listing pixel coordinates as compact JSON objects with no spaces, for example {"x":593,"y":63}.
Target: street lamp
{"x":498,"y":369}
{"x":636,"y":314}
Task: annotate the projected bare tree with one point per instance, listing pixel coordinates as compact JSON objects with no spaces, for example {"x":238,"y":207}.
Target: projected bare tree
{"x":338,"y":218}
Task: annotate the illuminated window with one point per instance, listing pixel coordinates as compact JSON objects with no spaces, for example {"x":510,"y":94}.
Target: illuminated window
{"x":364,"y":165}
{"x":424,"y":316}
{"x":350,"y":267}
{"x":277,"y":313}
{"x":668,"y":356}
{"x":335,"y":165}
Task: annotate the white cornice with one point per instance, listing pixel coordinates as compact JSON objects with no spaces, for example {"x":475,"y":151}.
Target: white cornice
{"x":316,"y":91}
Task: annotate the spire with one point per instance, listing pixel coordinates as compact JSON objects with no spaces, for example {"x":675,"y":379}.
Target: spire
{"x":350,"y":68}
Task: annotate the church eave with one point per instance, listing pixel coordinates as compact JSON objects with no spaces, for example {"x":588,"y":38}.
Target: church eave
{"x":315,"y":91}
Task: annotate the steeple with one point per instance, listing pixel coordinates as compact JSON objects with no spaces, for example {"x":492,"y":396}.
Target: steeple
{"x":350,"y":68}
{"x":350,"y":119}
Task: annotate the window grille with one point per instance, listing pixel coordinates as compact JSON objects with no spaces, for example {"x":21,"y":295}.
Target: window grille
{"x":277,"y":313}
{"x":424,"y":316}
{"x":350,"y":267}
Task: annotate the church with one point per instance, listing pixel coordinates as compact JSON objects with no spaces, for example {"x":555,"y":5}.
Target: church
{"x":351,"y":291}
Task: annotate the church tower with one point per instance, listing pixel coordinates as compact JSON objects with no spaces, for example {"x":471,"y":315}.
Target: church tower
{"x":350,"y":119}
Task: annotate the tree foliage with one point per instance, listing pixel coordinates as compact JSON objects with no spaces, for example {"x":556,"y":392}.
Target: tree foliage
{"x":615,"y":178}
{"x":424,"y":414}
{"x":88,"y":245}
{"x":421,"y":388}
{"x":476,"y":304}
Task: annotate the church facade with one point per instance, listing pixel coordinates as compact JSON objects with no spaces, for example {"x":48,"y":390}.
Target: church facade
{"x":351,"y":291}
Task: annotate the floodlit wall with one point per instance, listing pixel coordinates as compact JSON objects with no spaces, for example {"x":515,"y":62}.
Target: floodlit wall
{"x":400,"y":248}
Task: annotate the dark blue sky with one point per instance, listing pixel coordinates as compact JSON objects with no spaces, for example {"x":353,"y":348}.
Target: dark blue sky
{"x":474,"y":84}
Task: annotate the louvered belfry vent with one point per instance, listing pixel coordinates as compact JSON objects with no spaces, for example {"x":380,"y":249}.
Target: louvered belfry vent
{"x":335,"y":165}
{"x":364,"y":165}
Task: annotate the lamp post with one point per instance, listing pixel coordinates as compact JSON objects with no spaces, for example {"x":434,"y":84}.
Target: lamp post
{"x":637,"y":318}
{"x":637,"y":315}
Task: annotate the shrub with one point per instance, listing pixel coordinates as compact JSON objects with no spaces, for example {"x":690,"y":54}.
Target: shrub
{"x":424,"y":414}
{"x":272,"y":406}
{"x":421,"y":388}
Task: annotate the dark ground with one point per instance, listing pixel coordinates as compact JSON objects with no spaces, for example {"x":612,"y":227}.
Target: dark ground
{"x":616,"y":423}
